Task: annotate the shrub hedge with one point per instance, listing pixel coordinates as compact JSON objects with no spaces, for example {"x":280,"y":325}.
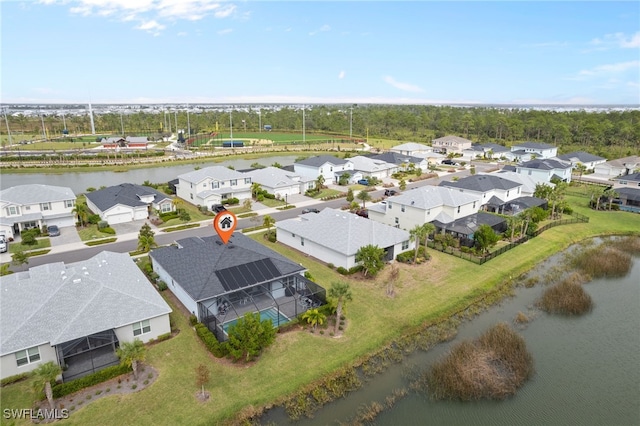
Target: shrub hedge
{"x":103,"y":375}
{"x":102,"y":241}
{"x":14,"y":379}
{"x":218,"y":349}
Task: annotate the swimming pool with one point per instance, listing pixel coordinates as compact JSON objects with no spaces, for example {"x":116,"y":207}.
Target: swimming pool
{"x":276,"y":317}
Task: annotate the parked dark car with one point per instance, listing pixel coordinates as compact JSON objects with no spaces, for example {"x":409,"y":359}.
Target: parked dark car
{"x":364,"y":182}
{"x":363,"y":213}
{"x":305,"y":211}
{"x":390,"y":192}
{"x":217,"y":208}
{"x":450,"y":162}
{"x":53,"y":230}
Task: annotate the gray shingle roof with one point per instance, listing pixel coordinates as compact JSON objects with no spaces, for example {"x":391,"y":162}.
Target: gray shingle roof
{"x":126,"y":194}
{"x":583,"y":157}
{"x":320,"y":160}
{"x":635,"y":177}
{"x":533,"y":145}
{"x":481,"y":183}
{"x":213,"y":172}
{"x":36,"y":193}
{"x":629,"y":193}
{"x":396,"y":158}
{"x":370,"y":165}
{"x":428,"y":197}
{"x":469,"y":224}
{"x":545,"y":164}
{"x":343,"y":232}
{"x":192,"y":263}
{"x":56,"y":303}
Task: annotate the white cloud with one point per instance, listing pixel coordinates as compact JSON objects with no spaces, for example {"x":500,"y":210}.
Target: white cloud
{"x":341,"y":75}
{"x":146,"y":12}
{"x":406,"y":87}
{"x":323,"y":29}
{"x":225,"y":31}
{"x":616,"y":40}
{"x":606,"y":70}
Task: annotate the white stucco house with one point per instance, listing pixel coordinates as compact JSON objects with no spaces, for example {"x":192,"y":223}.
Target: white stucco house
{"x":631,"y":181}
{"x":543,"y":170}
{"x":326,"y":165}
{"x":280,"y":182}
{"x":537,"y":149}
{"x":589,"y":161}
{"x":495,"y":193}
{"x":335,"y":236}
{"x":213,"y":185}
{"x":618,"y":167}
{"x":34,"y":206}
{"x":451,"y":144}
{"x":411,"y":149}
{"x":77,"y":314}
{"x":371,"y":167}
{"x":425,"y":204}
{"x":128,"y":202}
{"x":484,"y":150}
{"x":403,"y":161}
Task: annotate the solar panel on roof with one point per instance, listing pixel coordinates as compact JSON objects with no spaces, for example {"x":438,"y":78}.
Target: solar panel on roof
{"x":247,"y":274}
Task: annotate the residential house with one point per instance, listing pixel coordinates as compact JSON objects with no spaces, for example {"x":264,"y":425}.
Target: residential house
{"x":326,"y":165}
{"x":424,"y":204}
{"x":543,"y":170}
{"x":618,"y":167}
{"x":34,"y":206}
{"x":537,"y":149}
{"x":495,"y":193}
{"x":128,"y":202}
{"x":411,"y":149}
{"x":213,"y":185}
{"x":451,"y":144}
{"x":485,"y":150}
{"x":404,"y":162}
{"x":279,"y":182}
{"x":220,"y":282}
{"x":77,"y":314}
{"x":528,"y":185}
{"x":589,"y":161}
{"x":629,"y":199}
{"x":335,"y":236}
{"x":370,"y":167}
{"x":517,"y":156}
{"x":631,"y":180}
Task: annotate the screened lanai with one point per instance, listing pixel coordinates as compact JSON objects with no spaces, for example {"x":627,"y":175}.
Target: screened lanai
{"x":88,"y":354}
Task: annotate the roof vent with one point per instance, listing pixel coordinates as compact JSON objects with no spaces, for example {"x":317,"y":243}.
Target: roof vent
{"x":86,"y":272}
{"x":76,"y":280}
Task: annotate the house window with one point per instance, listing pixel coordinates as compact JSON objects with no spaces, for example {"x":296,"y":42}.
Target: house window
{"x":166,"y":207}
{"x":390,"y":206}
{"x":458,"y":209}
{"x":507,"y":193}
{"x":191,"y":195}
{"x":27,"y":356}
{"x":11,"y":210}
{"x":623,"y":182}
{"x":397,"y":221}
{"x":234,"y":182}
{"x":301,"y":241}
{"x":293,"y":235}
{"x":247,"y":180}
{"x":215,"y":185}
{"x":204,"y":184}
{"x":405,"y":245}
{"x":45,"y":206}
{"x":69,"y":203}
{"x":141,"y":327}
{"x":27,"y":208}
{"x":402,"y":208}
{"x":191,"y":185}
{"x":474,"y":204}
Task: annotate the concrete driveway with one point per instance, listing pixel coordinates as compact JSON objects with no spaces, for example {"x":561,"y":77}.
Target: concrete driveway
{"x":68,"y":235}
{"x":131,"y":227}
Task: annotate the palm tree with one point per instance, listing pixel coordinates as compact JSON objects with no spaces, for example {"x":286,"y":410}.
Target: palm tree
{"x":611,"y":194}
{"x":363,"y":196}
{"x":146,"y":242}
{"x":342,"y":293}
{"x":268,"y":221}
{"x":44,"y":375}
{"x":416,"y":234}
{"x":130,"y":353}
{"x":255,"y":189}
{"x":82,"y":211}
{"x":314,"y":317}
{"x":177,"y":203}
{"x":319,"y":183}
{"x":581,"y":168}
{"x":428,"y":228}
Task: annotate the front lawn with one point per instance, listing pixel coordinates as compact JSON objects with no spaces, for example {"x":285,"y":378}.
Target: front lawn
{"x":43,"y":242}
{"x":326,"y":192}
{"x":91,"y":232}
{"x":270,"y":202}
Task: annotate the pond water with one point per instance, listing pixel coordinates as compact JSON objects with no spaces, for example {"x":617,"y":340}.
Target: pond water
{"x":587,"y":368}
{"x":80,"y":181}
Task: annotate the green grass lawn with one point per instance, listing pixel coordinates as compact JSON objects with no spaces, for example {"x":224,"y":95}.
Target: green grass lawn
{"x":424,"y":294}
{"x":326,"y":192}
{"x":91,"y":232}
{"x":42,"y":242}
{"x":272,"y":202}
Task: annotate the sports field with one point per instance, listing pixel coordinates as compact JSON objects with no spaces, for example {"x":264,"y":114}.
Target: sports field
{"x":266,"y":138}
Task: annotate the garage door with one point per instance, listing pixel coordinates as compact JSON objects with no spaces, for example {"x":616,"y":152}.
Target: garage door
{"x":61,"y":222}
{"x":119,"y":218}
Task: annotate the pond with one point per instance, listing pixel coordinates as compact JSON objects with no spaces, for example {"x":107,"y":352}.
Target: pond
{"x":586,"y":367}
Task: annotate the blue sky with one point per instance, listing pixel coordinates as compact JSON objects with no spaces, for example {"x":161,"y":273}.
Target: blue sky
{"x":148,"y":51}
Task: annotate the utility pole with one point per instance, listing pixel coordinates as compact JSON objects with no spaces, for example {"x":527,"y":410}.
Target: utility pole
{"x":304,"y":138}
{"x":44,"y":132}
{"x":93,"y":126}
{"x":188,"y":123}
{"x":6,"y":121}
{"x":351,"y":123}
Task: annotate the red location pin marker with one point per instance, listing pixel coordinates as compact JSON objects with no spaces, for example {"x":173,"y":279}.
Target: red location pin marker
{"x":225,"y":223}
